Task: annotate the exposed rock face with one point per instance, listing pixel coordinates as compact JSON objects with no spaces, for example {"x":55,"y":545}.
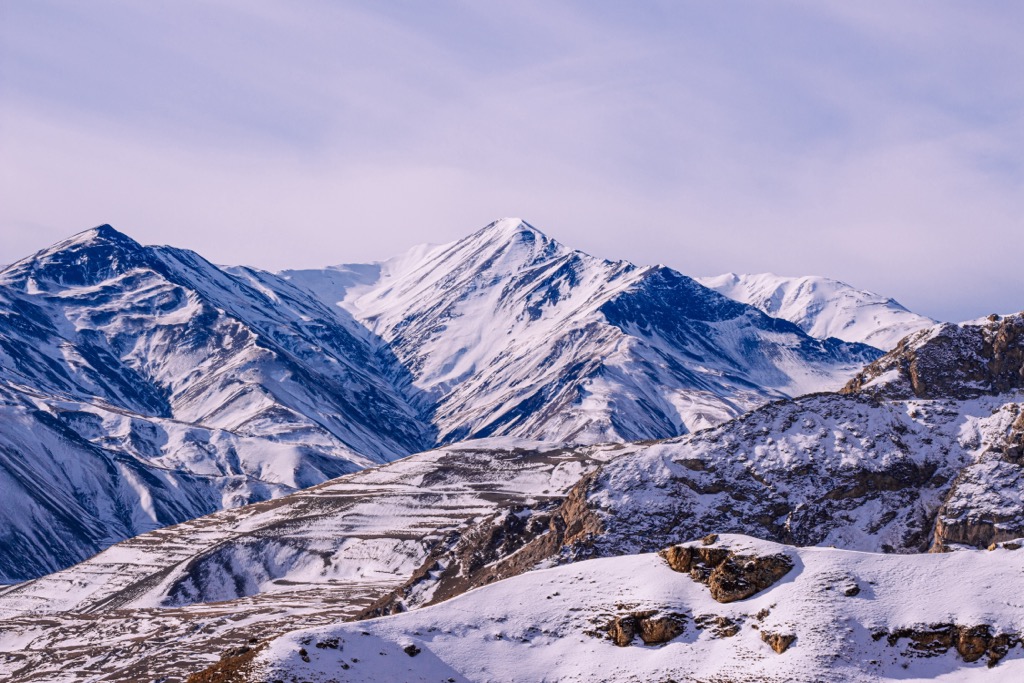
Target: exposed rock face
{"x":824,"y":469}
{"x":653,"y":628}
{"x":728,"y":575}
{"x":719,"y":626}
{"x":779,"y":642}
{"x":506,"y":544}
{"x":950,"y":361}
{"x":984,"y":504}
{"x":971,"y":642}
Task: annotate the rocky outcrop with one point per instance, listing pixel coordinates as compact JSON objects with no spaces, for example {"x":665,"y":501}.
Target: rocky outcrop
{"x":652,"y":627}
{"x":970,"y":642}
{"x":984,"y":505}
{"x":817,"y":470}
{"x":779,"y":642}
{"x":950,"y":361}
{"x":718,"y":626}
{"x":728,"y":575}
{"x":506,"y":544}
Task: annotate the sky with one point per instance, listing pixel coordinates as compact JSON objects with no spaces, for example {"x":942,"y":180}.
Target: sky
{"x":877,"y":142}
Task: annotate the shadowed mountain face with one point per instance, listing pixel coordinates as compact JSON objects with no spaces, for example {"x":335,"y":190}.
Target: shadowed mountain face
{"x":143,"y":386}
{"x":165,"y":387}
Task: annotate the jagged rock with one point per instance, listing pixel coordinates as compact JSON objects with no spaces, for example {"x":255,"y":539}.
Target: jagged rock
{"x":720,"y":627}
{"x":411,"y":650}
{"x":661,"y":629}
{"x":622,"y":630}
{"x":652,"y":627}
{"x":949,"y":361}
{"x":710,"y":539}
{"x":779,"y":642}
{"x":741,"y":576}
{"x":851,"y":590}
{"x":678,"y":557}
{"x":729,"y":576}
{"x":971,"y":642}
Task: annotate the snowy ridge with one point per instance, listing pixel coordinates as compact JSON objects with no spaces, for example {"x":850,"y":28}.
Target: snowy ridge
{"x":823,"y":307}
{"x":549,"y":625}
{"x":826,"y":470}
{"x":509,"y":332}
{"x":956,"y":361}
{"x":317,"y":556}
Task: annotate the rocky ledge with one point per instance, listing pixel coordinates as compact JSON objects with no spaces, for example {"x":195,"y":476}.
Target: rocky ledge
{"x":950,"y":361}
{"x":970,"y":642}
{"x":730,"y":576}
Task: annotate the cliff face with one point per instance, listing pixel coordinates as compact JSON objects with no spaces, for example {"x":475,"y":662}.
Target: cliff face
{"x":950,"y":361}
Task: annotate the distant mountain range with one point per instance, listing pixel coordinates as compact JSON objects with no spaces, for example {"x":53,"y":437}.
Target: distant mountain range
{"x":509,"y":333}
{"x":143,"y":386}
{"x":823,"y":307}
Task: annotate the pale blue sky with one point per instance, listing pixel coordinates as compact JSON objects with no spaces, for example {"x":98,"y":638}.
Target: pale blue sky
{"x":881,"y":143}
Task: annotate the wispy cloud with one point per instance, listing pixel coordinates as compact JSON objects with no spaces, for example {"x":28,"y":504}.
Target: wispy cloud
{"x":874,"y":142}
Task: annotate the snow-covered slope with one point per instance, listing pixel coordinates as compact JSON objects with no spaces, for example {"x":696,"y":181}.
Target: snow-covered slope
{"x":169,"y":602}
{"x":507,"y":332}
{"x":876,"y":468}
{"x":823,"y":307}
{"x":168,"y":388}
{"x":77,"y":477}
{"x":851,"y":616}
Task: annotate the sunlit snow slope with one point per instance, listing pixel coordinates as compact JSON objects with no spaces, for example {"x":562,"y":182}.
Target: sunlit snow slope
{"x":823,"y":307}
{"x":850,"y":616}
{"x":508,"y":332}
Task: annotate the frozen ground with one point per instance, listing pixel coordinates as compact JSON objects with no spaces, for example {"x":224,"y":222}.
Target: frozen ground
{"x":546,"y":625}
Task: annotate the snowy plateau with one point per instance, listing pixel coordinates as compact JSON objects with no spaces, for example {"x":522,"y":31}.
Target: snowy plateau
{"x":498,"y":459}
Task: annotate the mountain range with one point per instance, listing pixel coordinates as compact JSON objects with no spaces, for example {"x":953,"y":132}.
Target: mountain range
{"x":143,"y":386}
{"x":498,"y":459}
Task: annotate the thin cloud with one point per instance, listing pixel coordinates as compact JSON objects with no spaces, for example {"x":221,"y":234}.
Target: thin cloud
{"x":855,"y":140}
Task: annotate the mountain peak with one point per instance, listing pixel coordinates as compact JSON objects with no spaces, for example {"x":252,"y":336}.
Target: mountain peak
{"x":85,"y":258}
{"x":508,"y":229}
{"x":93,"y":237}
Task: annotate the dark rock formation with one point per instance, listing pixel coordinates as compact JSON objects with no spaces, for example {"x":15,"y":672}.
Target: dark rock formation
{"x":952,"y":361}
{"x":971,"y":642}
{"x":779,"y":642}
{"x":654,"y":628}
{"x":728,"y":575}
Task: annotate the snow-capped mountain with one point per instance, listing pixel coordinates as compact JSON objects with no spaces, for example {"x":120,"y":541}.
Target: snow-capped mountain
{"x":154,"y":362}
{"x":143,"y":386}
{"x":861,"y":470}
{"x":508,"y":332}
{"x":823,"y":307}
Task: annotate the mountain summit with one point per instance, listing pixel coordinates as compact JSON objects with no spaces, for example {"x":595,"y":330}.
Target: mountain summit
{"x":507,"y":332}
